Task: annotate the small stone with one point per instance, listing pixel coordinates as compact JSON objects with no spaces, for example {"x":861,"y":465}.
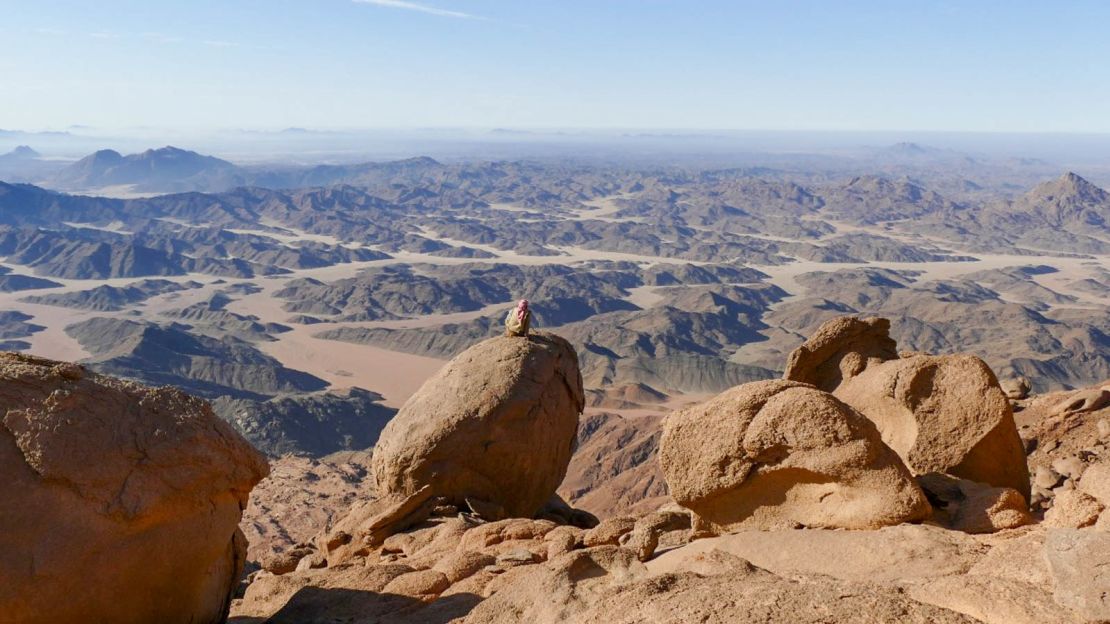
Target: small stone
{"x":1072,"y":509}
{"x":337,"y":539}
{"x":1046,"y":478}
{"x":1071,"y":467}
{"x":313,"y":561}
{"x":609,"y":532}
{"x":1104,"y":429}
{"x":285,"y":562}
{"x":516,"y":557}
{"x":1017,"y":388}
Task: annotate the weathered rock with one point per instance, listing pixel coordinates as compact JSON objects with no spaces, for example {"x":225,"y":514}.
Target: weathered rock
{"x":1079,"y":562}
{"x":286,"y":561}
{"x":780,"y":454}
{"x":1096,"y":483}
{"x":494,"y":428}
{"x":1016,"y":388}
{"x":1087,"y":400}
{"x":645,"y":535}
{"x":418,"y":584}
{"x":943,"y":414}
{"x":841,"y":348}
{"x":562,"y":540}
{"x":992,"y":600}
{"x":1072,"y":509}
{"x":120,"y":502}
{"x":497,"y":424}
{"x":939,"y":413}
{"x":546,"y":593}
{"x":896,"y":554}
{"x":974,"y":507}
{"x":608,"y":532}
{"x":608,"y":585}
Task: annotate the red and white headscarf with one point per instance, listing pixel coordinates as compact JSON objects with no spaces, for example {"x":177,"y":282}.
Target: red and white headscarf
{"x":521,"y":309}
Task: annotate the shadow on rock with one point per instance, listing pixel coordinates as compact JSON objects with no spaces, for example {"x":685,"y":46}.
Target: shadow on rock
{"x":318,"y":605}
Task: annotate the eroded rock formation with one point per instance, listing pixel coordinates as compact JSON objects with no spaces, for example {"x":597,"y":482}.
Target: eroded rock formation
{"x":780,"y":454}
{"x":942,"y":413}
{"x":120,"y":503}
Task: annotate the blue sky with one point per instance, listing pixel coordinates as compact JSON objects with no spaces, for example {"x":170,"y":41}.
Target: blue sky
{"x":268,"y":64}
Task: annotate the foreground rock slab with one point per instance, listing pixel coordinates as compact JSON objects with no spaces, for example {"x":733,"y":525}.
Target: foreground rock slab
{"x":120,"y":502}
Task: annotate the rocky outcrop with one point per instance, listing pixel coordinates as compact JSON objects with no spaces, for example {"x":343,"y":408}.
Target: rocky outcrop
{"x":840,"y":349}
{"x":778,"y":454}
{"x":492,"y":432}
{"x":943,"y":414}
{"x":120,"y":502}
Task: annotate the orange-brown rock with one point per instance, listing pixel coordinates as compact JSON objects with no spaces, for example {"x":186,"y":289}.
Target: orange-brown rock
{"x":781,"y":454}
{"x":120,"y":503}
{"x":943,"y":414}
{"x":841,"y":348}
{"x":496,"y":424}
{"x":491,"y":433}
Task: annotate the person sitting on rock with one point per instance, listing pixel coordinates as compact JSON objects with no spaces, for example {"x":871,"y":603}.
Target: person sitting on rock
{"x":518,"y":320}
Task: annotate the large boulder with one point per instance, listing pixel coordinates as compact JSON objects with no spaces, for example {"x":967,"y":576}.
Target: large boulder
{"x":493,"y":432}
{"x":775,"y":454}
{"x":943,"y":414}
{"x":120,"y":503}
{"x":496,"y":424}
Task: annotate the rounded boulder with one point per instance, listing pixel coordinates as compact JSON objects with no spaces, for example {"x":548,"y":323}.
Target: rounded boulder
{"x":495,"y":428}
{"x":777,"y":454}
{"x":120,"y":503}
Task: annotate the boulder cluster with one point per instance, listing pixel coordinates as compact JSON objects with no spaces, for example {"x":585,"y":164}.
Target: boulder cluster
{"x":919,"y":455}
{"x":856,"y":436}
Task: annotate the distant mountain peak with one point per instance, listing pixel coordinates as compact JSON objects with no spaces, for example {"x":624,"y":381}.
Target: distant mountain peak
{"x":23,"y":151}
{"x":1069,"y":186}
{"x":157,"y":168}
{"x":1067,"y":201}
{"x":907,"y":147}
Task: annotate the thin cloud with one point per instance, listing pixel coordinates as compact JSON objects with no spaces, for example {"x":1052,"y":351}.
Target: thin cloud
{"x":161,"y":38}
{"x":103,"y":35}
{"x":220,"y":44}
{"x":419,"y":8}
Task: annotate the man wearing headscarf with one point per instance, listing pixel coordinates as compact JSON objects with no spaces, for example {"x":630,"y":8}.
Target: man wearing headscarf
{"x":518,"y":320}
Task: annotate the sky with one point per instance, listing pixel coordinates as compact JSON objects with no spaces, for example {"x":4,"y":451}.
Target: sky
{"x":983,"y":66}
